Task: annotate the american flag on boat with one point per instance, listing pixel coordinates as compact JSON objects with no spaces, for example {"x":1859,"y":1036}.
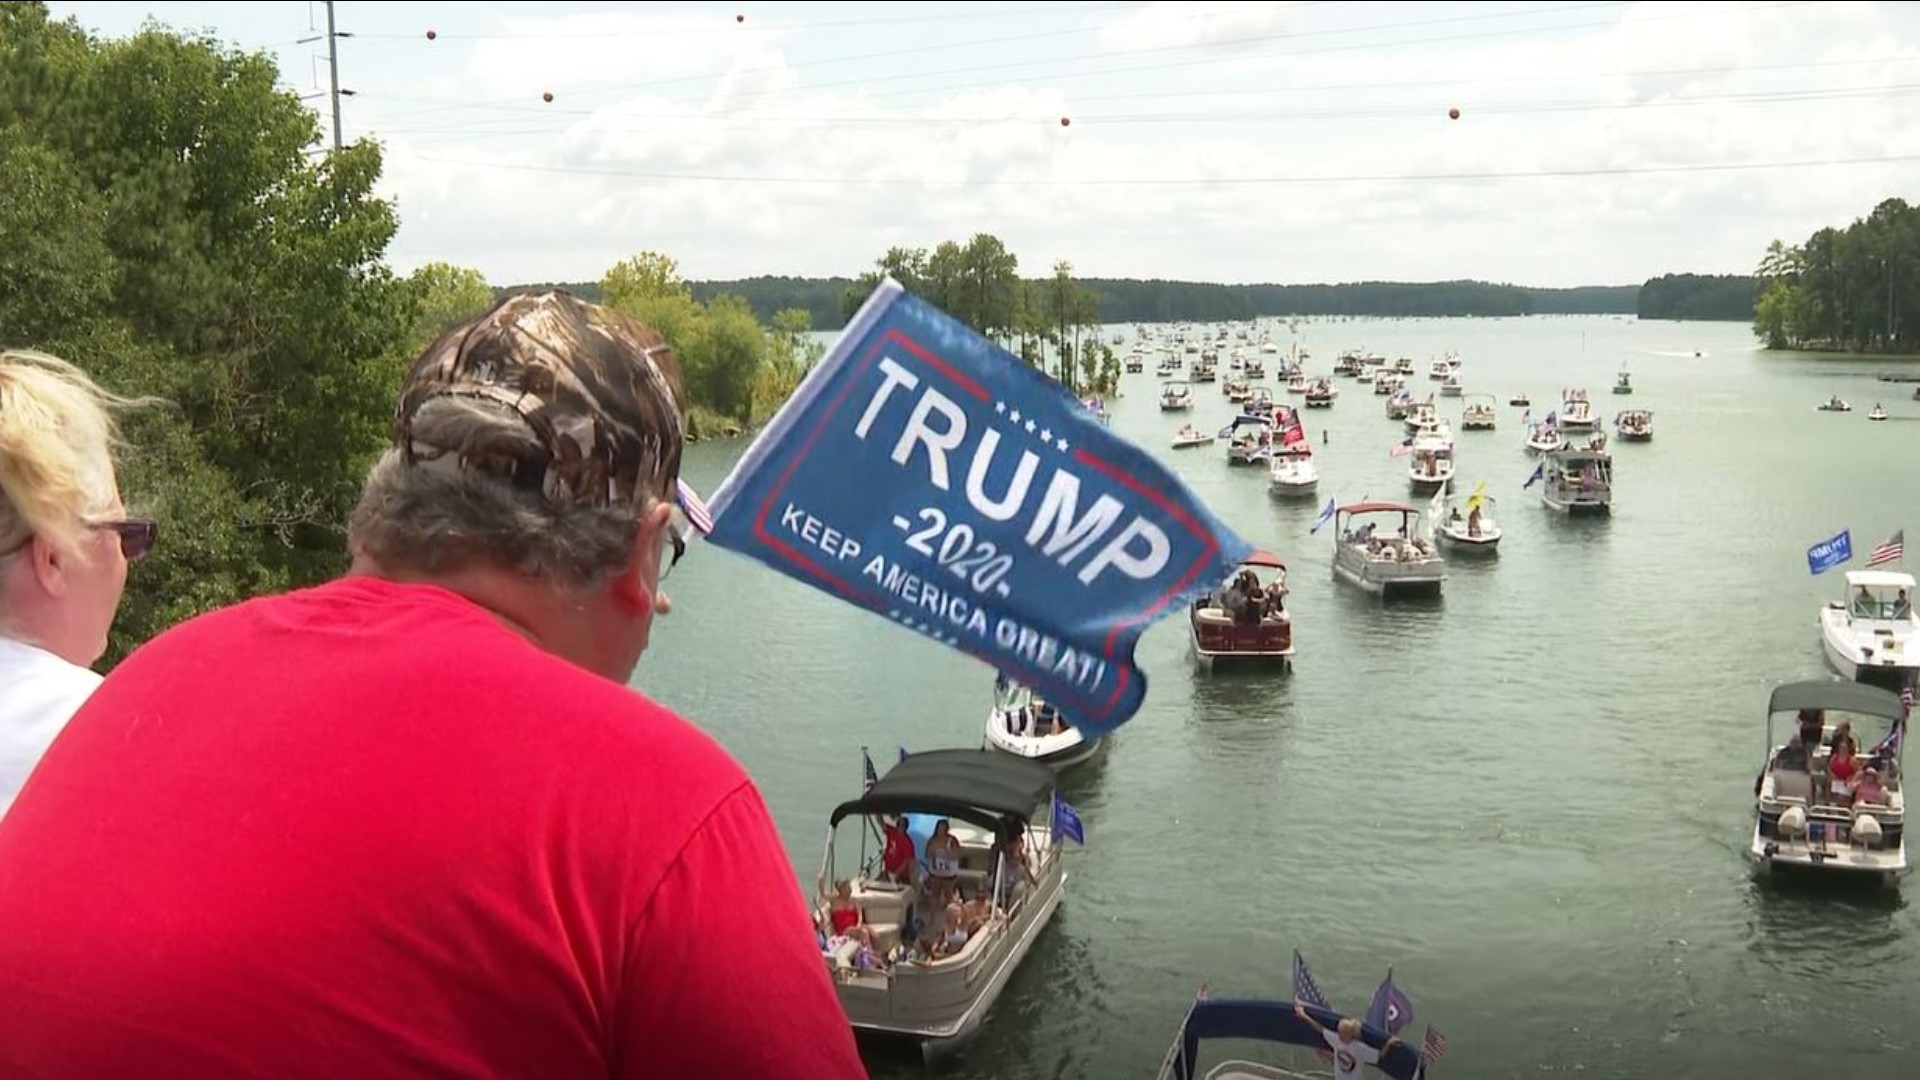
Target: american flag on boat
{"x":1890,"y":550}
{"x":1434,"y":1046}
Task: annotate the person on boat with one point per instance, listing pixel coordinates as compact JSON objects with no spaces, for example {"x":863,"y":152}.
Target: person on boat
{"x":1015,"y":873}
{"x":953,"y":932}
{"x":415,"y":822}
{"x":943,"y":862}
{"x":1347,"y":1040}
{"x":1276,"y":597}
{"x":65,"y":545}
{"x":1842,"y":765}
{"x":975,"y":911}
{"x":897,"y":858}
{"x":1813,"y":727}
{"x":845,"y":919}
{"x":1869,"y":788}
{"x":1473,"y":522}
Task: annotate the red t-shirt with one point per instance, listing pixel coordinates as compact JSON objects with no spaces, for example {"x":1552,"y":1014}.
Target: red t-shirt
{"x":365,"y":830}
{"x":898,"y":857}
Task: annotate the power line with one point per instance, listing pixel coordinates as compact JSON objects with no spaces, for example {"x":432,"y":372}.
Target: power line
{"x":1382,"y":112}
{"x":855,"y":181}
{"x":517,"y":104}
{"x":332,"y":37}
{"x":734,"y":27}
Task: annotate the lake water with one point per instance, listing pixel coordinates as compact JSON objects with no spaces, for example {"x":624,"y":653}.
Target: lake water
{"x":1529,"y":798}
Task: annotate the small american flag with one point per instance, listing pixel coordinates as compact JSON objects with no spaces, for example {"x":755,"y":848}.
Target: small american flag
{"x":1893,"y":549}
{"x":868,"y":777}
{"x":1434,"y":1046}
{"x":694,"y":507}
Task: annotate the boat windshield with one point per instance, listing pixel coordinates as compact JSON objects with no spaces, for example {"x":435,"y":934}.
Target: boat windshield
{"x":1881,"y":602}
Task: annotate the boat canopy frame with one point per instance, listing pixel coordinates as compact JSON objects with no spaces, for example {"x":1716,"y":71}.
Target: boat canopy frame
{"x":975,"y":785}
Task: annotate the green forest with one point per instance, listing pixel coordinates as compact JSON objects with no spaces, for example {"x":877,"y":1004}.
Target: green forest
{"x":1855,"y":289}
{"x":1725,"y":297}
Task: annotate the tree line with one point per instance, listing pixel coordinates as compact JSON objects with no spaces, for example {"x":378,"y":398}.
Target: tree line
{"x":1724,"y":297}
{"x":1855,"y":289}
{"x":1131,"y":300}
{"x":173,"y":224}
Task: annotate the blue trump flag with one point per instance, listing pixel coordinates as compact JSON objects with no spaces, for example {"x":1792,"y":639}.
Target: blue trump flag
{"x":927,"y":475}
{"x":1830,"y":552}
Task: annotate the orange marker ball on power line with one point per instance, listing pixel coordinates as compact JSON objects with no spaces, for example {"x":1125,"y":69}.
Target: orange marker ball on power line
{"x":739,"y":18}
{"x":1453,"y":114}
{"x":1065,"y":121}
{"x":548,"y":96}
{"x":431,"y":34}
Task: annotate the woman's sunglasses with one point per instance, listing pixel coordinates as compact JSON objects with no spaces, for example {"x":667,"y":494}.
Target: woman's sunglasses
{"x":137,"y":536}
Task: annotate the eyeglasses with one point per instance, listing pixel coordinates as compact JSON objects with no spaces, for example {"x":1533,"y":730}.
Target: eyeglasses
{"x":137,"y":535}
{"x":677,"y":545}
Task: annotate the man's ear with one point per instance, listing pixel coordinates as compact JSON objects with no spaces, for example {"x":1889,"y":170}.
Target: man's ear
{"x":634,"y":586}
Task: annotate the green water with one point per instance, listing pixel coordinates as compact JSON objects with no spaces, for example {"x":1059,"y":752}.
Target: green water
{"x":1529,"y":797}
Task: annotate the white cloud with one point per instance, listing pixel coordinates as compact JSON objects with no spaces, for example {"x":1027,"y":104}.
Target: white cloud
{"x":904,"y":160}
{"x":1187,"y":23}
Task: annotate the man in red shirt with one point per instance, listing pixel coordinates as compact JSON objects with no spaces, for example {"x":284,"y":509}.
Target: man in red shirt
{"x":413,"y":823}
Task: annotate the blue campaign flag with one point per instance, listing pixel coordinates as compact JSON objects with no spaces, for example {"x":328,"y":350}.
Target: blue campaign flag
{"x":927,"y":475}
{"x":1539,"y":473}
{"x":1830,"y":552}
{"x":1326,"y":515}
{"x":1066,"y":822}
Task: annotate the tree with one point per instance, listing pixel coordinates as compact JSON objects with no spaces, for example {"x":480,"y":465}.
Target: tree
{"x":177,"y":239}
{"x":648,"y":275}
{"x":1855,"y":289}
{"x":445,"y":295}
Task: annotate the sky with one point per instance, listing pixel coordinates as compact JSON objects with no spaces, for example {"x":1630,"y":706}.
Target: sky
{"x":1596,"y":143}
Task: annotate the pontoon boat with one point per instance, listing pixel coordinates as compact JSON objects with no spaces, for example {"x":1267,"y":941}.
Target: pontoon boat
{"x":1634,"y":425}
{"x":1388,"y":564}
{"x":1245,"y":619}
{"x":1481,"y":413}
{"x":1176,"y":394}
{"x":988,"y":799}
{"x":1807,"y":816}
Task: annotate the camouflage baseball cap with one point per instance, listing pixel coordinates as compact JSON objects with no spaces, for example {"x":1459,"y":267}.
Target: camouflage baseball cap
{"x":601,"y":391}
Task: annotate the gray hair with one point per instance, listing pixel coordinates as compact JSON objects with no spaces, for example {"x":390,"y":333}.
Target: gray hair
{"x":438,"y":517}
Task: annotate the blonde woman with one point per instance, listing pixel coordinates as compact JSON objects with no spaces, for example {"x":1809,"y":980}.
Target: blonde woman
{"x":65,"y":542}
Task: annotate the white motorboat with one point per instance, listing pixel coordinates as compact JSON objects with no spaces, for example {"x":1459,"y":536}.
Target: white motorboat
{"x":1432,"y":464}
{"x":1576,"y":412}
{"x":1421,"y":417}
{"x":1634,"y":425}
{"x":1808,"y":819}
{"x":1176,"y":395}
{"x":1836,"y":404}
{"x":1249,"y":440}
{"x":990,"y":801}
{"x":1476,"y":530}
{"x":1246,"y":619}
{"x":1440,"y":369}
{"x":1277,"y":1023}
{"x":1873,"y":635}
{"x":1481,"y":413}
{"x":1451,"y":387}
{"x":1544,"y":438}
{"x":1389,"y":564}
{"x":1386,"y":381}
{"x":1022,"y":724}
{"x":1623,"y":384}
{"x":1876,"y":413}
{"x":1578,"y":480}
{"x":1190,"y":436}
{"x":1321,"y":394}
{"x":1292,"y":470}
{"x":1297,"y":383}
